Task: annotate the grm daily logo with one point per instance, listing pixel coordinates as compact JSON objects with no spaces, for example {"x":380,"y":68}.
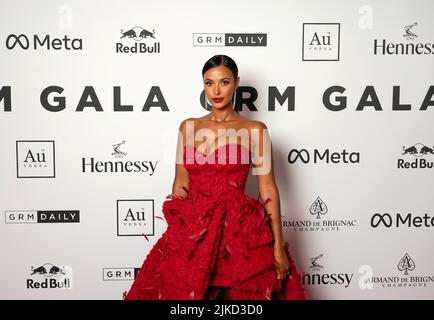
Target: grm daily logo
{"x":229,"y":39}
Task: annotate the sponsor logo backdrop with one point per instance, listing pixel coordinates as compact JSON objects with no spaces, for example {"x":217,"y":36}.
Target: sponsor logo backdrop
{"x":92,"y":94}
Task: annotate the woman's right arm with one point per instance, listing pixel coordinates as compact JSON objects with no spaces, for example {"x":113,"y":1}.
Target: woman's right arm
{"x":180,"y":183}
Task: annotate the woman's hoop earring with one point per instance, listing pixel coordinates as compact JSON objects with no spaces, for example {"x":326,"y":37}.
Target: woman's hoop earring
{"x":207,"y":101}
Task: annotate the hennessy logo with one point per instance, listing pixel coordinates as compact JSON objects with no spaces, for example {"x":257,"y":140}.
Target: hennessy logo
{"x":409,"y":35}
{"x":116,"y":152}
{"x":315,"y":266}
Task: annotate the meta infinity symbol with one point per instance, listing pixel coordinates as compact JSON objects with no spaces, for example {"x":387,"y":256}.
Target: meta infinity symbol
{"x":22,"y":40}
{"x":303,"y":154}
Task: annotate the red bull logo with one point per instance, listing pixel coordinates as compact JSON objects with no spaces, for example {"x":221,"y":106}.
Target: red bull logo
{"x":49,"y":284}
{"x":417,"y":150}
{"x":48,"y":270}
{"x":56,"y":277}
{"x":137,"y":34}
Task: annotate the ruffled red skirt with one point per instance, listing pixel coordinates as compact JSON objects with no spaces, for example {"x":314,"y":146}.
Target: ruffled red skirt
{"x":214,"y":241}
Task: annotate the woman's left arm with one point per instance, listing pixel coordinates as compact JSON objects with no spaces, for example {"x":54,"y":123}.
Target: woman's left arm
{"x":263,"y":169}
{"x":263,"y":166}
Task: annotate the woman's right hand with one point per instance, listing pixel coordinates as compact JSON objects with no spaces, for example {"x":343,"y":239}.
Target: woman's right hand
{"x":181,"y":193}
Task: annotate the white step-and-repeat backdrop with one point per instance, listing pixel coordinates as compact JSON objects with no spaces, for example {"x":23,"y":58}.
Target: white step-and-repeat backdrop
{"x":92,"y":94}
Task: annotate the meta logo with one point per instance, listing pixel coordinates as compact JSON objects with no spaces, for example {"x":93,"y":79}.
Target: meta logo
{"x":419,"y":151}
{"x":137,"y":34}
{"x":119,"y":274}
{"x":41,"y":216}
{"x":229,"y":39}
{"x":47,"y":42}
{"x":315,"y":156}
{"x":388,"y":221}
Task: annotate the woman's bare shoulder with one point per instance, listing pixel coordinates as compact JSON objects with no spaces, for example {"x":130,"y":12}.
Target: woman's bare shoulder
{"x":184,"y":122}
{"x":255,"y":124}
{"x":258,"y":130}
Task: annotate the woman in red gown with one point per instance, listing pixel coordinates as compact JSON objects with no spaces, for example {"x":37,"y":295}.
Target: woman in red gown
{"x":220,"y":243}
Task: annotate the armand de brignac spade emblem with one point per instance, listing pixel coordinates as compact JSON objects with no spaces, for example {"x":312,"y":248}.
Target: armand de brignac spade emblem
{"x":318,"y":207}
{"x":406,"y":263}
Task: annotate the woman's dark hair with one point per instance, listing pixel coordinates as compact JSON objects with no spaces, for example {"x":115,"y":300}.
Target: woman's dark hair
{"x":218,"y":60}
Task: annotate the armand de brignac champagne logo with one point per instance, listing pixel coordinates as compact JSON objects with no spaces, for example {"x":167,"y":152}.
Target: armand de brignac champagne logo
{"x":406,"y":264}
{"x":319,"y":224}
{"x":318,"y":207}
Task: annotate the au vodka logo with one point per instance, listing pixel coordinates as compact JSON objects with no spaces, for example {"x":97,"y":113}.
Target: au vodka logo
{"x":135,"y":217}
{"x":35,"y":159}
{"x":321,"y":41}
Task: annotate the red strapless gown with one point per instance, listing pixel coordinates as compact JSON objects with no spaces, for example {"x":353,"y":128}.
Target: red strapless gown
{"x":218,"y":235}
